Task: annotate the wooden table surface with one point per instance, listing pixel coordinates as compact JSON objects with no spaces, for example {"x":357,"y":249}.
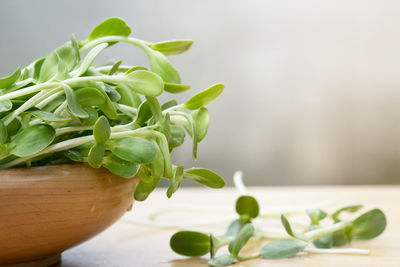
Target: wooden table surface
{"x":126,"y":244}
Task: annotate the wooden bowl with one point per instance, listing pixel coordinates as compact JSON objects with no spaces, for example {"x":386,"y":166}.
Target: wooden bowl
{"x":46,"y":210}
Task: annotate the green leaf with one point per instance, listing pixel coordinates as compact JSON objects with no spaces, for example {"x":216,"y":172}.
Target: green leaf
{"x":316,"y":215}
{"x":110,"y":27}
{"x":189,"y":243}
{"x":88,"y":60}
{"x":93,"y":116}
{"x":284,"y":248}
{"x":5,"y":105}
{"x":37,"y":67}
{"x":89,"y":96}
{"x":173,"y":47}
{"x":169,"y":104}
{"x":350,"y":208}
{"x":48,"y":116}
{"x":128,"y":97}
{"x":235,"y":227}
{"x":3,"y":133}
{"x":341,"y":237}
{"x":96,"y":154}
{"x":241,"y":239}
{"x":115,"y":67}
{"x":176,"y":180}
{"x":205,"y":97}
{"x":175,"y":88}
{"x":325,"y":241}
{"x":32,"y":140}
{"x":73,"y":104}
{"x":7,"y":82}
{"x":144,"y":113}
{"x":112,"y":93}
{"x":368,"y":225}
{"x":201,"y":119}
{"x":157,"y":165}
{"x":120,"y":167}
{"x":144,"y":173}
{"x":154,"y":107}
{"x":286,"y":225}
{"x":176,"y":136}
{"x":61,"y":60}
{"x":205,"y":177}
{"x":74,"y":155}
{"x":101,"y":130}
{"x":133,"y":149}
{"x":160,"y":65}
{"x":222,"y":260}
{"x":247,"y":205}
{"x":142,"y":191}
{"x":144,"y":82}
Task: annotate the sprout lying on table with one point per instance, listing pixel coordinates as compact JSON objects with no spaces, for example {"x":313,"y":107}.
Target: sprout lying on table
{"x":62,"y":108}
{"x":247,"y":228}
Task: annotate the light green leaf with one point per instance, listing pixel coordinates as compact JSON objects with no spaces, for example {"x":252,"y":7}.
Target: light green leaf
{"x":169,"y":104}
{"x":89,"y":96}
{"x":5,"y":105}
{"x":32,"y":140}
{"x":350,"y":208}
{"x":8,"y":81}
{"x":154,"y":107}
{"x":205,"y":177}
{"x":144,"y":113}
{"x":101,"y":130}
{"x":241,"y":239}
{"x":173,"y":47}
{"x":96,"y":154}
{"x":73,"y":104}
{"x":120,"y":167}
{"x":369,"y":225}
{"x":115,"y":67}
{"x":176,"y":136}
{"x":316,"y":215}
{"x":128,"y":97}
{"x":88,"y":60}
{"x":62,"y":59}
{"x":284,"y":248}
{"x":3,"y":133}
{"x":175,"y":88}
{"x":201,"y":119}
{"x":133,"y":149}
{"x":48,"y":116}
{"x":176,"y":180}
{"x":189,"y":243}
{"x":160,"y":65}
{"x":235,"y":227}
{"x":222,"y":260}
{"x":144,"y":82}
{"x":205,"y":97}
{"x":110,"y":27}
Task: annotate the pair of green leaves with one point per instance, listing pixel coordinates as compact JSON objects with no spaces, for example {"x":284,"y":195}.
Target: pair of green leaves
{"x":101,"y":133}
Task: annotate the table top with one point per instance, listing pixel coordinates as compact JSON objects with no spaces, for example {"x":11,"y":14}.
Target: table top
{"x":134,"y":244}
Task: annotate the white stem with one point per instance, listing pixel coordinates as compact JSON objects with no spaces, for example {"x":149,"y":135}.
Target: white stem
{"x":317,"y":233}
{"x":238,"y":182}
{"x":28,"y":104}
{"x":47,"y":100}
{"x":355,"y":251}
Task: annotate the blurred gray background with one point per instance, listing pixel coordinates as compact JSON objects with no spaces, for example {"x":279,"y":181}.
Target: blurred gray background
{"x":312,"y":87}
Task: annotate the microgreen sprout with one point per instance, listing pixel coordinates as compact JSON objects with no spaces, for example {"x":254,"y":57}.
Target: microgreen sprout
{"x":242,"y":230}
{"x":63,"y":109}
